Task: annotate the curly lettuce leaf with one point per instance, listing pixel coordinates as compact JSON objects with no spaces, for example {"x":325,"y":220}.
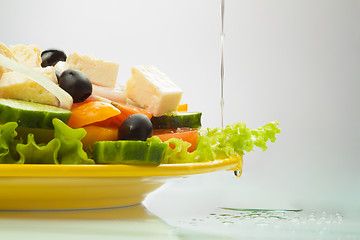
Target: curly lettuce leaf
{"x":8,"y":143}
{"x":179,"y":153}
{"x":232,"y":141}
{"x":174,"y":155}
{"x":71,"y":150}
{"x":33,"y":153}
{"x":64,"y":148}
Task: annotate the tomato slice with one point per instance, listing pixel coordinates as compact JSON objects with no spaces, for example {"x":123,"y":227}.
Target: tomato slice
{"x":186,"y":134}
{"x":113,"y":122}
{"x":97,"y":133}
{"x":91,"y":112}
{"x":103,"y":114}
{"x":126,"y":111}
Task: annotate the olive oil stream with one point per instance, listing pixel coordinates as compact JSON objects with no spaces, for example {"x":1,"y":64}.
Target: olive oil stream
{"x":222,"y":38}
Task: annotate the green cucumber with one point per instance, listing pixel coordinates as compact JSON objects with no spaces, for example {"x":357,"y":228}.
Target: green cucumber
{"x":177,"y":120}
{"x":129,"y":152}
{"x":30,"y":114}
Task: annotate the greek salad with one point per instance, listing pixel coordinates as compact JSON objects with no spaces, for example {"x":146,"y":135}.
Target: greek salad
{"x":69,"y":109}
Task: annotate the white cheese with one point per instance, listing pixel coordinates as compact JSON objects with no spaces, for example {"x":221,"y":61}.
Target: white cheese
{"x":100,"y":72}
{"x":4,"y":50}
{"x":153,"y":90}
{"x":48,"y":72}
{"x":29,"y":55}
{"x":61,"y":66}
{"x":65,"y":100}
{"x":15,"y":85}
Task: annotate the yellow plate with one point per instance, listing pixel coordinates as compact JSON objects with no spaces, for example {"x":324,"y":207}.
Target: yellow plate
{"x":60,"y":187}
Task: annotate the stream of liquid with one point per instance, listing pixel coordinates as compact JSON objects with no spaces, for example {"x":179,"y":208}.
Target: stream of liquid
{"x":222,"y":36}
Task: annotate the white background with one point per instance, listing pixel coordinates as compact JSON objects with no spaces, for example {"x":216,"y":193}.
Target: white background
{"x":293,"y":61}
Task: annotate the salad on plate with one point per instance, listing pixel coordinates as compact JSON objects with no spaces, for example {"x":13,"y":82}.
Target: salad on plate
{"x":59,"y":109}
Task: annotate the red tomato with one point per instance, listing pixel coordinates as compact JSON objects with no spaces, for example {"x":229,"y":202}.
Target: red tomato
{"x":186,"y":134}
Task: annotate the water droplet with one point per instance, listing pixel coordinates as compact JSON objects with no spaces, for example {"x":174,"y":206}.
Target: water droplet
{"x":224,"y":215}
{"x":311,"y":216}
{"x":254,"y":215}
{"x":338,"y":216}
{"x":227,"y":222}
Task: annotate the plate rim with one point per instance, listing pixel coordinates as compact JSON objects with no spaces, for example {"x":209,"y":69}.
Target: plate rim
{"x":119,"y":170}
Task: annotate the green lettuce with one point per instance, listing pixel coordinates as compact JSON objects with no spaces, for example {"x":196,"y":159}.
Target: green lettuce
{"x":33,"y":153}
{"x":232,"y":141}
{"x":65,"y":148}
{"x":8,"y":143}
{"x":71,"y":150}
{"x":176,"y":155}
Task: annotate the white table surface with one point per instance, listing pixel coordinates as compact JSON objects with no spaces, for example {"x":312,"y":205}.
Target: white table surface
{"x":219,"y":224}
{"x":166,"y":215}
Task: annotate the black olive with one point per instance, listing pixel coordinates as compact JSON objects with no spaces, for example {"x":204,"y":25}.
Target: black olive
{"x":136,"y":127}
{"x":51,"y":57}
{"x":76,"y":83}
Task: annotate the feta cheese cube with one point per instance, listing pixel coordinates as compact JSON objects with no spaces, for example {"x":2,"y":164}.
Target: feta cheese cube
{"x":15,"y":85}
{"x":4,"y":50}
{"x":100,"y":72}
{"x":29,"y":55}
{"x":153,"y":90}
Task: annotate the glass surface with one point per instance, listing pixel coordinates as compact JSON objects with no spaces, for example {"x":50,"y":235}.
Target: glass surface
{"x":137,"y":222}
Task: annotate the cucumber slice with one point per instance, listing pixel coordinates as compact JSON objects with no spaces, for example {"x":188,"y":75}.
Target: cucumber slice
{"x":129,"y":152}
{"x":177,"y":120}
{"x":30,"y":114}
